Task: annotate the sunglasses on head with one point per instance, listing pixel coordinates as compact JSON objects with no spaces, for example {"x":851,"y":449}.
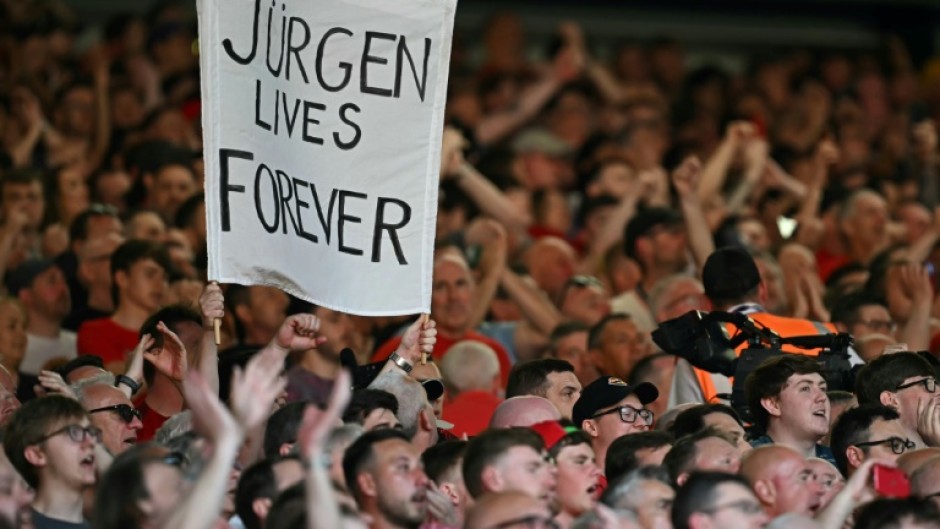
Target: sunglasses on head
{"x":126,"y":412}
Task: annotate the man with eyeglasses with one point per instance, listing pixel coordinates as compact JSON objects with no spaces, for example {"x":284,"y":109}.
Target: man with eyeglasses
{"x":51,"y":443}
{"x":609,"y":408}
{"x":869,"y":431}
{"x":114,"y":414}
{"x":906,"y":382}
{"x":710,"y":500}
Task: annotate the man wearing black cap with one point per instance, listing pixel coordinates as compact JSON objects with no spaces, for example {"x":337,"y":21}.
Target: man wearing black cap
{"x":656,"y":239}
{"x":40,"y":285}
{"x":733,"y":284}
{"x":610,"y":408}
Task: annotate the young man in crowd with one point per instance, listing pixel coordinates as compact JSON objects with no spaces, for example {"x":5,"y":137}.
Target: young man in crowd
{"x":868,"y":431}
{"x":579,"y":479}
{"x":609,"y":408}
{"x":41,"y":288}
{"x":510,"y":459}
{"x":51,"y":443}
{"x":787,"y":399}
{"x":384,"y":474}
{"x":705,"y":450}
{"x":140,"y":272}
{"x":548,"y":378}
{"x":907,"y":383}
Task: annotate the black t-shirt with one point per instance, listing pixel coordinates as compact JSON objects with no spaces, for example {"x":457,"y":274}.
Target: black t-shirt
{"x":41,"y":521}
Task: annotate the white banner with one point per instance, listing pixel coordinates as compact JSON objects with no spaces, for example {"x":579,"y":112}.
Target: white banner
{"x":322,"y":125}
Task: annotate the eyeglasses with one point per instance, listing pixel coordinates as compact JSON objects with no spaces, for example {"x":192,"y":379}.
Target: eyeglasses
{"x":77,"y":433}
{"x":898,"y":445}
{"x":127,"y":412}
{"x":533,"y":521}
{"x":930,"y":384}
{"x":628,"y":414}
{"x":748,"y":507}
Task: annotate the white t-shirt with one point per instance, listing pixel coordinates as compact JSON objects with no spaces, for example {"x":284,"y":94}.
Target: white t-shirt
{"x":40,"y":350}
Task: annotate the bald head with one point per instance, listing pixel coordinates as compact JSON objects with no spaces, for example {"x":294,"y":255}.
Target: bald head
{"x":497,"y":509}
{"x":104,"y":402}
{"x":470,"y":365}
{"x":782,"y":480}
{"x":523,"y":411}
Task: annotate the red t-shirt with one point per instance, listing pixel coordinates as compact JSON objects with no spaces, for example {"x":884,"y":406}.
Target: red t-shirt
{"x":470,"y":412}
{"x":444,"y":343}
{"x":152,"y":422}
{"x":106,"y":339}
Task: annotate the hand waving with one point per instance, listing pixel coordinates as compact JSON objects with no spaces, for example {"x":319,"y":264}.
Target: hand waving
{"x":170,"y":359}
{"x":255,"y":388}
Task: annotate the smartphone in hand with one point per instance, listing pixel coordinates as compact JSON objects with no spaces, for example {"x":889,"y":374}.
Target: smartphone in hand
{"x":890,"y":482}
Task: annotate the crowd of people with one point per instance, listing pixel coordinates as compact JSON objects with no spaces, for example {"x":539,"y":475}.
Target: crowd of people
{"x":584,"y":201}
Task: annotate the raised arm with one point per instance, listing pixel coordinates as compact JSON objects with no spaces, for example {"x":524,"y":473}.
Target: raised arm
{"x":716,"y":167}
{"x":212,"y":306}
{"x":686,"y":179}
{"x":489,"y":198}
{"x":491,"y":237}
{"x":566,"y":66}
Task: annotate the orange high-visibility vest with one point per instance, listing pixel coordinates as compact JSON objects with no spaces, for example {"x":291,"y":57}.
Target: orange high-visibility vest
{"x":785,"y":327}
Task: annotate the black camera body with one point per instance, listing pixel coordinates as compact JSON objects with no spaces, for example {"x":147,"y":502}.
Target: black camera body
{"x":700,"y":338}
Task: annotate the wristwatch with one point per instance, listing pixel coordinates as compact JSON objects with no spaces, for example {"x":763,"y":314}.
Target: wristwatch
{"x":127,"y":381}
{"x":401,"y":362}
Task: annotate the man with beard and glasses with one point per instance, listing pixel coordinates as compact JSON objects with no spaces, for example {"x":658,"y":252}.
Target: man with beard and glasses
{"x":384,"y":474}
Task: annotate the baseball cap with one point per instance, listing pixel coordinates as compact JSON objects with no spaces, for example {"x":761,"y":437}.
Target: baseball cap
{"x":551,"y":432}
{"x":729,"y":273}
{"x":607,"y":391}
{"x":643,"y":223}
{"x":23,"y":275}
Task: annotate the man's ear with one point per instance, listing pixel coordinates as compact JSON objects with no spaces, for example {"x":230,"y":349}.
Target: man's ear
{"x":450,"y":490}
{"x":120,"y":279}
{"x":772,"y":405}
{"x":855,"y":456}
{"x":426,"y":420}
{"x":642,"y":247}
{"x":590,"y":427}
{"x":765,"y":491}
{"x":367,"y":484}
{"x":682,"y":478}
{"x":260,"y":507}
{"x":491,"y":479}
{"x":35,"y":455}
{"x":889,"y":399}
{"x":700,"y":520}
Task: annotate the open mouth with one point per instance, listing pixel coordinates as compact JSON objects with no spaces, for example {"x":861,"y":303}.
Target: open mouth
{"x":131,"y":441}
{"x":88,"y":461}
{"x":820,"y":413}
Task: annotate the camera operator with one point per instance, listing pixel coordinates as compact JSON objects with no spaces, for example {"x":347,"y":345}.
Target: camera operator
{"x":733,"y":284}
